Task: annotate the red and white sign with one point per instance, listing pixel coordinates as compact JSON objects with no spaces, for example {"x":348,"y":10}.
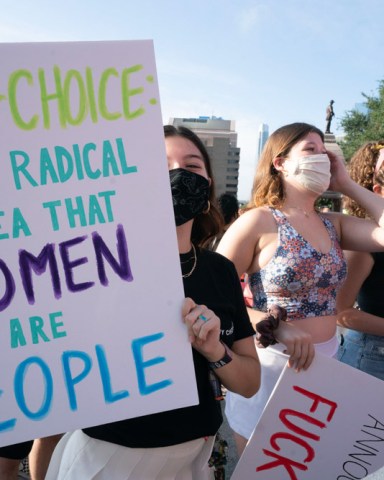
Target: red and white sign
{"x":326,"y":423}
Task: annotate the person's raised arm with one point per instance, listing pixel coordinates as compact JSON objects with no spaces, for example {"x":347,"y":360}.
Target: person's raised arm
{"x":356,"y":233}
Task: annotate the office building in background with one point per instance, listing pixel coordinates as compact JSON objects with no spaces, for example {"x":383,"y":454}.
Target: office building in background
{"x":263,"y":137}
{"x":220,"y":138}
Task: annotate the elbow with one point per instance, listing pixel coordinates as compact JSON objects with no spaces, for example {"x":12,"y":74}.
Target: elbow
{"x":252,"y":384}
{"x":251,"y":391}
{"x":344,"y":318}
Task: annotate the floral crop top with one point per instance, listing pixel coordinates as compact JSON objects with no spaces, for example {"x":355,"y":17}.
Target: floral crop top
{"x":299,"y":278}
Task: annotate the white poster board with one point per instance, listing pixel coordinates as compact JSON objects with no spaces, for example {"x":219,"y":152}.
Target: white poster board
{"x":90,"y":281}
{"x":326,"y":423}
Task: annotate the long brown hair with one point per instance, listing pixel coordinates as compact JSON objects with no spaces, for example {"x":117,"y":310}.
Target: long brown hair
{"x":268,"y":187}
{"x":206,"y":225}
{"x":362,"y":170}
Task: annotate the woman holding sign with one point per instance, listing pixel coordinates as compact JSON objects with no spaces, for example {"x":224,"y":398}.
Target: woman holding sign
{"x":293,"y":257}
{"x":363,"y":345}
{"x":177,"y":444}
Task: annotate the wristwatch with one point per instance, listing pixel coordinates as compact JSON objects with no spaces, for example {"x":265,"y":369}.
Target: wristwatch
{"x":227,"y":358}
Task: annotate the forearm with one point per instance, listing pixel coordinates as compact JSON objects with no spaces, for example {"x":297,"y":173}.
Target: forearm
{"x":241,"y":375}
{"x":298,"y":343}
{"x":361,"y":321}
{"x":372,"y":203}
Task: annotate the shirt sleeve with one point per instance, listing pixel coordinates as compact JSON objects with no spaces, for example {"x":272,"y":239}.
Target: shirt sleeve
{"x":243,"y":325}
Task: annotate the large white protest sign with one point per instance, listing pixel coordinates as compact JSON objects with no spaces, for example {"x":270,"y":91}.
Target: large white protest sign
{"x":90,"y":281}
{"x":326,"y":423}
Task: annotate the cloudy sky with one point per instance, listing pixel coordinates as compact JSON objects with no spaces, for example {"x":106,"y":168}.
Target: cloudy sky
{"x":252,"y":61}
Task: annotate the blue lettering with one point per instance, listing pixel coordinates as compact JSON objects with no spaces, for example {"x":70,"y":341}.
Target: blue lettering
{"x":109,"y":396}
{"x":19,"y":388}
{"x":137,"y":349}
{"x":70,"y":381}
{"x":8,"y":424}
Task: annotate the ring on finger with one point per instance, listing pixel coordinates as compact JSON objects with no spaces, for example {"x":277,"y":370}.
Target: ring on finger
{"x":203,"y":318}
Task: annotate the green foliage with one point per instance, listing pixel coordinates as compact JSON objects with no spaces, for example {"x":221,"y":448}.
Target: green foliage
{"x":364,"y":127}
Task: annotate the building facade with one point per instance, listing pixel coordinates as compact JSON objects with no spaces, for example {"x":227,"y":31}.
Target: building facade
{"x":263,"y":137}
{"x":220,"y":138}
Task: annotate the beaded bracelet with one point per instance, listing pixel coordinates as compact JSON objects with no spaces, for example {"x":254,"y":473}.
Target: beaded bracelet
{"x":266,"y":327}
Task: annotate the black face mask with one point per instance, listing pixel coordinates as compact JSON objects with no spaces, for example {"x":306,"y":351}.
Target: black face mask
{"x":190,"y":194}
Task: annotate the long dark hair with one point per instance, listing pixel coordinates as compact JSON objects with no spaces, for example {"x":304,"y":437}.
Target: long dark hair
{"x":205,"y":225}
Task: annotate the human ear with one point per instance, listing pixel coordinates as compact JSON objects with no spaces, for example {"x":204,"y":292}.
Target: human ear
{"x":378,"y":189}
{"x":277,"y":163}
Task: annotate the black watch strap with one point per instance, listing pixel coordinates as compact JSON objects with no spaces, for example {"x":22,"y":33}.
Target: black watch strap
{"x":227,"y":358}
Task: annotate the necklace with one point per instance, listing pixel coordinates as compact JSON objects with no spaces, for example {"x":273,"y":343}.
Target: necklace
{"x":186,"y":275}
{"x":307,"y":214}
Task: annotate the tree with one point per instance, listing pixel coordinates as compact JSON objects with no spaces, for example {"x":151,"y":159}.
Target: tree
{"x":363,"y":127}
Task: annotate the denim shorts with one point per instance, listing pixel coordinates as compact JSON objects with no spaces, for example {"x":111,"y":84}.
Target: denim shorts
{"x":364,"y":352}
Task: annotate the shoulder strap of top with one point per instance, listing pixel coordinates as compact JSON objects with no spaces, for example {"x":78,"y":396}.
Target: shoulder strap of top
{"x":330,"y":228}
{"x":279,"y":217}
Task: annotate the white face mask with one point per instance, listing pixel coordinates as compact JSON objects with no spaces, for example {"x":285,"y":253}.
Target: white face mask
{"x":312,"y":172}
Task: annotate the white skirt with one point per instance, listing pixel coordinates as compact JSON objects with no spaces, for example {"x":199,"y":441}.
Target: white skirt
{"x":80,"y":457}
{"x":243,"y":413}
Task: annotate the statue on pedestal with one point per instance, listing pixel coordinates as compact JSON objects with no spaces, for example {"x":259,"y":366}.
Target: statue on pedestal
{"x":329,"y":115}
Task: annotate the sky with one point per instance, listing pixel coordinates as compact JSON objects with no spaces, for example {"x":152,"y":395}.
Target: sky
{"x":251,"y":61}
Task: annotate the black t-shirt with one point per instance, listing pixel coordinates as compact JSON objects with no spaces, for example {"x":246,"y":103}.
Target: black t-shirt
{"x":214,"y":283}
{"x":370,"y":298}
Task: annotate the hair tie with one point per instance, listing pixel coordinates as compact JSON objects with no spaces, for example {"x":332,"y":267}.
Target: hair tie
{"x":380,"y":161}
{"x":266,"y":327}
{"x":377,"y":146}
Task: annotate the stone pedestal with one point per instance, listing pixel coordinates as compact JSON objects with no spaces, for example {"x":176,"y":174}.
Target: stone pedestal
{"x":333,"y":198}
{"x":331,"y":145}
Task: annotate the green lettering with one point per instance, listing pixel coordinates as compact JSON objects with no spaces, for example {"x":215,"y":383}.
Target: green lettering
{"x":52,"y":210}
{"x":91,"y":94}
{"x":94,"y":174}
{"x":64,"y":167}
{"x":3,"y":235}
{"x":58,"y":95}
{"x":123,"y":161}
{"x":37,"y":331}
{"x":95,"y":213}
{"x":79,"y":165}
{"x":17,"y":335}
{"x":19,"y":223}
{"x":109,"y":160}
{"x":106,"y":195}
{"x":127,"y":93}
{"x":82,"y":112}
{"x":103,"y":94}
{"x":55,"y":325}
{"x":21,"y":169}
{"x":12,"y":91}
{"x":72,"y":211}
{"x":47,"y":168}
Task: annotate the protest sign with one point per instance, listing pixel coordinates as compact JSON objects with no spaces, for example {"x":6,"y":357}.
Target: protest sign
{"x":324,"y":423}
{"x":90,"y":281}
